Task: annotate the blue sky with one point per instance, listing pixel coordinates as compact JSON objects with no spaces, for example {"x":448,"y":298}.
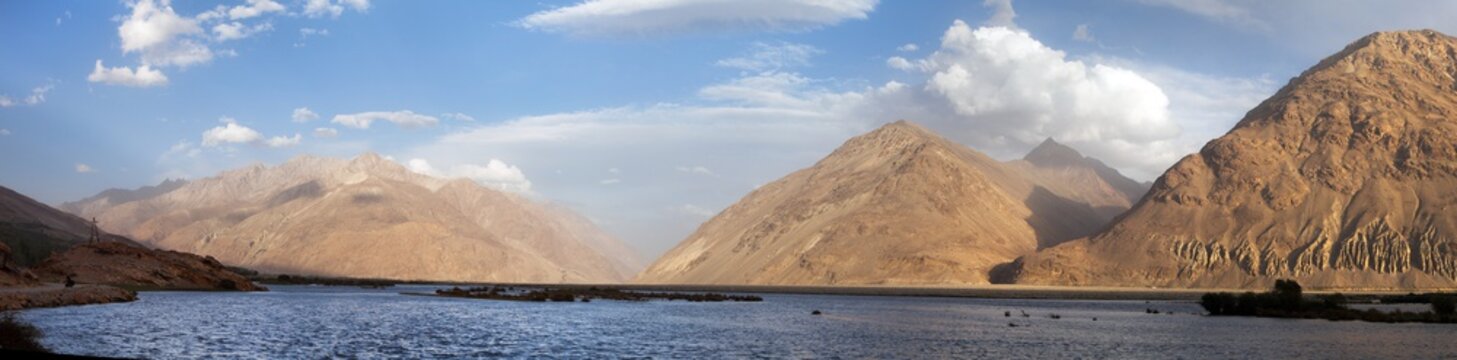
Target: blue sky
{"x":647,"y":119}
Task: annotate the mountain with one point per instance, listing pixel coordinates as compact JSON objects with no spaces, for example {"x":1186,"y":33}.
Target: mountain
{"x":33,"y":231}
{"x":898,"y":205}
{"x":1346,"y":179}
{"x":111,"y":197}
{"x":53,"y":244}
{"x":368,"y":217}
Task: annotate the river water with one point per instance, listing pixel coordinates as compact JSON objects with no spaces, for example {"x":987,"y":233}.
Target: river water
{"x":319,"y":322}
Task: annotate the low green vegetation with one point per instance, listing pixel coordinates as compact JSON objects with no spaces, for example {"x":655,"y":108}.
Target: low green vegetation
{"x":1287,"y":300}
{"x":19,"y":335}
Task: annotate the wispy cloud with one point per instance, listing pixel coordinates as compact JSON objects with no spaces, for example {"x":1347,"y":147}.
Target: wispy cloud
{"x":637,"y":18}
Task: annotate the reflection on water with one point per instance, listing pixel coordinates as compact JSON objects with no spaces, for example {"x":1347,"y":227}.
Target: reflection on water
{"x":295,"y":321}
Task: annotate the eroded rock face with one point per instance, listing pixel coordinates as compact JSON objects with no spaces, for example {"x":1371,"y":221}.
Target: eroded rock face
{"x":898,"y":205}
{"x":1345,"y":178}
{"x":369,"y":217}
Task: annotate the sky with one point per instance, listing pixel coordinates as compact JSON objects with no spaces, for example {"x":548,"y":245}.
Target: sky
{"x":648,"y":117}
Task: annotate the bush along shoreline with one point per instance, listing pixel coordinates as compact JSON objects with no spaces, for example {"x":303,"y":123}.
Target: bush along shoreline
{"x":1286,"y":300}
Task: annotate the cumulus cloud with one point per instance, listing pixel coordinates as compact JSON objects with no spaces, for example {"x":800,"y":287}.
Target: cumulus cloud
{"x":162,"y":37}
{"x":632,"y":17}
{"x":899,"y":63}
{"x":325,"y":132}
{"x":303,"y":114}
{"x":143,"y":76}
{"x":37,"y":96}
{"x":496,"y":174}
{"x":776,"y":56}
{"x":83,"y":168}
{"x":254,"y":8}
{"x":1008,"y":90}
{"x":230,"y":133}
{"x":236,"y":30}
{"x":284,"y":141}
{"x":908,"y":48}
{"x":404,"y":118}
{"x":321,"y":8}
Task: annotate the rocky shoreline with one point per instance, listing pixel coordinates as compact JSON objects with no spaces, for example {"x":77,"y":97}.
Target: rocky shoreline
{"x":54,"y":295}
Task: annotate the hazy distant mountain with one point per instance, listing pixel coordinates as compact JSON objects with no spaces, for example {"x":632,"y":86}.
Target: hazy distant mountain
{"x":898,"y":205}
{"x":369,"y":217}
{"x":1345,"y":178}
{"x":112,"y":197}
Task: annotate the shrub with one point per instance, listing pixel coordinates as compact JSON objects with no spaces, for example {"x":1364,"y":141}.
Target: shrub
{"x":19,"y":335}
{"x":1444,"y":305}
{"x":1288,"y":294}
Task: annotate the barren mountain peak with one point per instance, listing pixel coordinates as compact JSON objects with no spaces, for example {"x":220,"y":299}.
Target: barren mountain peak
{"x":1342,"y":179}
{"x":1052,"y":153}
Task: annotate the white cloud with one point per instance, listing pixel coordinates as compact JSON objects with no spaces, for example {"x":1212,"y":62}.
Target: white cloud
{"x":284,"y":141}
{"x":458,"y":117}
{"x":254,"y":8}
{"x":151,"y":24}
{"x":1083,"y":33}
{"x":307,"y":32}
{"x":236,"y":30}
{"x":610,"y":181}
{"x":4,"y":132}
{"x":230,"y":133}
{"x":320,"y":8}
{"x":303,"y":114}
{"x":143,"y":76}
{"x":1003,"y":15}
{"x":908,"y":48}
{"x":84,"y":169}
{"x":162,"y":37}
{"x":767,"y":57}
{"x":36,"y":97}
{"x":404,"y":118}
{"x":325,"y":132}
{"x":496,"y":174}
{"x":1006,"y":88}
{"x":636,"y":17}
{"x":1217,"y":10}
{"x":899,"y":63}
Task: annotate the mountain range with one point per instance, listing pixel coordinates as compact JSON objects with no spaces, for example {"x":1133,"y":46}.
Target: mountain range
{"x":366,"y":217}
{"x":900,"y":205}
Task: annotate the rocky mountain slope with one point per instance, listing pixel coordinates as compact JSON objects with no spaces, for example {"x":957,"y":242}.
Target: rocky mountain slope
{"x":369,"y":217}
{"x":898,"y":205}
{"x":64,"y":242}
{"x":1345,"y":178}
{"x":33,"y":231}
{"x":121,"y":264}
